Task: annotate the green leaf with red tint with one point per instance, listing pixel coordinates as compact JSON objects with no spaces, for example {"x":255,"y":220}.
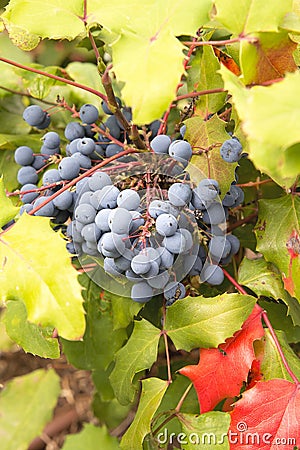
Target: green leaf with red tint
{"x":271,"y":57}
{"x":278,"y":238}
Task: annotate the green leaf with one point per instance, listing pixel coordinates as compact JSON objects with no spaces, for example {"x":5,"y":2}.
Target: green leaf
{"x":40,"y":86}
{"x":263,"y":278}
{"x":206,"y":431}
{"x":90,"y":438}
{"x":251,"y":15}
{"x":37,"y":270}
{"x":110,"y":413}
{"x":278,"y":238}
{"x":6,"y":344}
{"x":11,"y":141}
{"x":291,"y":22}
{"x":153,"y":390}
{"x":246,"y":236}
{"x":138,"y":354}
{"x":100,"y":341}
{"x":26,"y":405}
{"x":7,"y":210}
{"x":240,"y":95}
{"x":13,"y":124}
{"x":171,"y":398}
{"x":278,"y":316}
{"x":87,"y":74}
{"x":273,"y":151}
{"x":102,"y":384}
{"x":28,"y":22}
{"x":206,"y":322}
{"x":124,"y":310}
{"x":272,"y":365}
{"x":139,"y":56}
{"x":209,"y":79}
{"x":209,"y":135}
{"x":150,"y":73}
{"x":30,"y":337}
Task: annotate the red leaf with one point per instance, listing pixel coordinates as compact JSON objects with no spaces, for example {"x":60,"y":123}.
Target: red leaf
{"x":221,"y":371}
{"x":254,"y":374}
{"x":267,"y":417}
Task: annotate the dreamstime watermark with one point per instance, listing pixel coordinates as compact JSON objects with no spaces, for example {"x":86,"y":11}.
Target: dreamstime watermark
{"x":241,"y":436}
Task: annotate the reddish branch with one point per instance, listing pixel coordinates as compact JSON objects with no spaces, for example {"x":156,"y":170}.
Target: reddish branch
{"x":55,"y":77}
{"x":251,"y":40}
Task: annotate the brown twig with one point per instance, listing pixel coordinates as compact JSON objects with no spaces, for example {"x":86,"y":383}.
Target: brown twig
{"x":115,"y":109}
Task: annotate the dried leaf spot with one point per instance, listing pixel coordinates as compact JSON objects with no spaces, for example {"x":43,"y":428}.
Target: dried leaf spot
{"x":293,"y":244}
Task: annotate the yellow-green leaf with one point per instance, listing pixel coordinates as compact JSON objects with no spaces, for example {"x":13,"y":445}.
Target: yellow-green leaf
{"x":36,"y":269}
{"x":209,"y":135}
{"x":7,"y":209}
{"x":29,"y":21}
{"x":26,"y":405}
{"x":249,"y":16}
{"x":273,"y":147}
{"x":278,"y":238}
{"x":153,"y":390}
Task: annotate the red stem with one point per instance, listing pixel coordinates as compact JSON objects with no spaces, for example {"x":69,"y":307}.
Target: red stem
{"x":55,"y":77}
{"x":198,"y":93}
{"x":221,"y":43}
{"x":282,"y":356}
{"x":234,"y":282}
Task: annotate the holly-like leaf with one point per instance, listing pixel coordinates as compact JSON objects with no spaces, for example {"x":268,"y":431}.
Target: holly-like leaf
{"x":90,"y":438}
{"x":30,"y":337}
{"x":36,"y":269}
{"x":221,"y":371}
{"x":87,"y":74}
{"x":7,"y":210}
{"x":205,"y":431}
{"x":39,"y":86}
{"x":26,"y":405}
{"x":124,"y":310}
{"x":272,"y":365}
{"x":138,"y":354}
{"x":269,"y":58}
{"x":278,"y":238}
{"x":264,"y":279}
{"x":272,"y":151}
{"x":209,"y":79}
{"x":251,"y":16}
{"x":28,"y":23}
{"x":153,"y":390}
{"x":209,"y":135}
{"x":140,"y":59}
{"x":206,"y":322}
{"x":11,"y":123}
{"x":269,"y":414}
{"x":100,"y":341}
{"x":143,"y":31}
